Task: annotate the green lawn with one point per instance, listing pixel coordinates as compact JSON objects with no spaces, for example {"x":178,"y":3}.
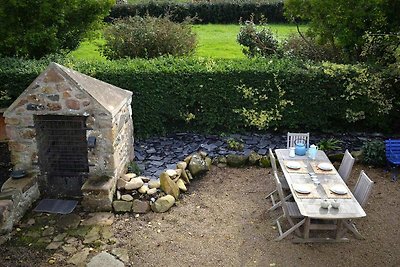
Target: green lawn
{"x":214,"y":40}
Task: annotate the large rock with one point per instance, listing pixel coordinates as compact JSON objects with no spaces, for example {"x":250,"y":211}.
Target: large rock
{"x":140,"y":206}
{"x":197,"y":165}
{"x":208,"y":162}
{"x":181,"y":185}
{"x":236,"y":160}
{"x":185,"y":177}
{"x":181,"y":165}
{"x":163,"y":203}
{"x":127,"y":177}
{"x":189,"y":175}
{"x":154,"y":184}
{"x":122,"y":206}
{"x":151,"y":191}
{"x":143,"y":189}
{"x":254,"y":158}
{"x":105,"y":260}
{"x":168,"y":186}
{"x":134,"y":183}
{"x":127,"y":197}
{"x":171,"y":173}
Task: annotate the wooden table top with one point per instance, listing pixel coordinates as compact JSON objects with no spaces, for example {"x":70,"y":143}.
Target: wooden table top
{"x":311,"y":207}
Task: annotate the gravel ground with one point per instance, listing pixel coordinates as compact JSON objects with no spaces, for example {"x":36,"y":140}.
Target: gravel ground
{"x":223,"y":221}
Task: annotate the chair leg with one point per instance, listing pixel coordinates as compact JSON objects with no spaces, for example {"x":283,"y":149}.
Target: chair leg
{"x":270,"y":194}
{"x":351,"y":226}
{"x":278,"y":204}
{"x":394,"y":174}
{"x":291,"y":230}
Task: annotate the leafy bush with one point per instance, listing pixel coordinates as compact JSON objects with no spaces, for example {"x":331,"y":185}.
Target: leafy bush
{"x":257,"y":40}
{"x":373,"y":153}
{"x":205,"y":95}
{"x":330,"y":144}
{"x":148,"y":37}
{"x":37,"y":28}
{"x":205,"y":11}
{"x":337,"y":23}
{"x":380,"y":48}
{"x":234,"y":144}
{"x":308,"y":48}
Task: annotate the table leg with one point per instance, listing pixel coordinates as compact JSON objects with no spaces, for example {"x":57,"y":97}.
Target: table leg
{"x":339,"y":229}
{"x":307,"y":228}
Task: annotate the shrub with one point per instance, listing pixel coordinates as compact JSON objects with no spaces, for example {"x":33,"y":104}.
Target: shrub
{"x":257,"y":40}
{"x":337,"y":23}
{"x":380,"y":48}
{"x":234,"y":144}
{"x":373,"y":153}
{"x":205,"y":11}
{"x":330,"y":144}
{"x":307,"y":48}
{"x":213,"y":96}
{"x":37,"y":28}
{"x":148,"y":37}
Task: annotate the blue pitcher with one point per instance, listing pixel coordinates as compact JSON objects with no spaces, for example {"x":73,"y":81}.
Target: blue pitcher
{"x":300,"y":149}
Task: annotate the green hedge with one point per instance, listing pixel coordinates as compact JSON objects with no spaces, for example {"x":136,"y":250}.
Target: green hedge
{"x":215,"y":12}
{"x":204,"y":95}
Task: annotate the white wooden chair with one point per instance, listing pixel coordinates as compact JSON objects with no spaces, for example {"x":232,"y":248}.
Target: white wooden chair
{"x":273,"y":196}
{"x":293,"y":138}
{"x":346,"y":166}
{"x":363,"y":189}
{"x":361,"y":192}
{"x":290,"y":212}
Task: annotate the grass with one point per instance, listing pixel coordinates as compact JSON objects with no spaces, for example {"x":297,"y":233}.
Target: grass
{"x":214,"y":41}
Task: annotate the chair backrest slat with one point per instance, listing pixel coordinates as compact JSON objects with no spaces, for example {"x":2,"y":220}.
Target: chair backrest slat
{"x":273,"y":161}
{"x":363,"y":188}
{"x":346,"y":166}
{"x":392,"y":148}
{"x":293,"y":138}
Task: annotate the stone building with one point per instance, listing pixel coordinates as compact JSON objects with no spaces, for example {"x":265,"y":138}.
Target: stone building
{"x":73,"y":134}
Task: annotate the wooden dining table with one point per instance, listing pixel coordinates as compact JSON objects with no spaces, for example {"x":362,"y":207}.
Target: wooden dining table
{"x":333,"y":219}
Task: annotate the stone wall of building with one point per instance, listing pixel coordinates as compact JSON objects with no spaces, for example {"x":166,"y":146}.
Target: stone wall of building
{"x":123,"y":139}
{"x":53,"y":94}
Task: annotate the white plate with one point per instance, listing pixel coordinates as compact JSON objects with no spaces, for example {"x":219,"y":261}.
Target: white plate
{"x":301,"y":188}
{"x":325,"y":166}
{"x":293,"y":165}
{"x":339,"y":189}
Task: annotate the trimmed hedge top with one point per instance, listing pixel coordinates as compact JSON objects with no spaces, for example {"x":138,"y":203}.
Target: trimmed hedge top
{"x":214,"y":96}
{"x":216,"y":12}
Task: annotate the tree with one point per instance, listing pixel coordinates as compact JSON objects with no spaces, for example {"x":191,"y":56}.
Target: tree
{"x":343,"y":24}
{"x":34,"y":28}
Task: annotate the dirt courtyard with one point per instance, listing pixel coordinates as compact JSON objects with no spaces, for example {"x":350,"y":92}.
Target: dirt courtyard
{"x":223,"y":221}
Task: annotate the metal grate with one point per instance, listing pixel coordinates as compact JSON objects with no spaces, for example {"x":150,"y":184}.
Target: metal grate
{"x":62,"y":148}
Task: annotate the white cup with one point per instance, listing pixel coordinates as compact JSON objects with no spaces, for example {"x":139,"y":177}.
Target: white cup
{"x":292,"y":153}
{"x":324,"y":203}
{"x":335,"y":204}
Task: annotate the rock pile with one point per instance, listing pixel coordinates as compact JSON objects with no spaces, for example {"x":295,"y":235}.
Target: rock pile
{"x":140,"y":194}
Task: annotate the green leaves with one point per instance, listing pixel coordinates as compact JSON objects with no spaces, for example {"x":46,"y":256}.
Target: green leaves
{"x":213,"y":96}
{"x":148,"y":37}
{"x":34,"y":29}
